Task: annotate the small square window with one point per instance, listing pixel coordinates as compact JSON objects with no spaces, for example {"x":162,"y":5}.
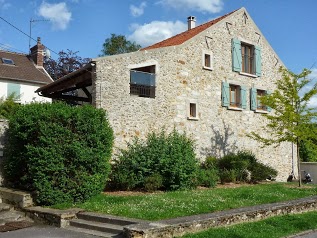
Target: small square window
{"x":207,"y":60}
{"x":192,"y":110}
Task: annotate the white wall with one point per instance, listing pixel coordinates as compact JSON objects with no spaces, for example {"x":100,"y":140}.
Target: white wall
{"x":27,"y":93}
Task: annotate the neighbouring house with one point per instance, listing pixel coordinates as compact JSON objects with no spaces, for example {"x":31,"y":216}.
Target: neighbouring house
{"x":205,"y":81}
{"x":23,"y":74}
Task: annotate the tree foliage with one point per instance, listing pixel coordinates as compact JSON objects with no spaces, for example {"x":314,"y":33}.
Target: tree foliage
{"x":66,"y":63}
{"x":118,"y":44}
{"x":291,"y":118}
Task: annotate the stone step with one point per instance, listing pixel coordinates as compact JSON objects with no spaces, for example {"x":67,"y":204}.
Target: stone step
{"x":97,"y":226}
{"x":5,"y":207}
{"x":94,"y":232}
{"x":97,"y":217}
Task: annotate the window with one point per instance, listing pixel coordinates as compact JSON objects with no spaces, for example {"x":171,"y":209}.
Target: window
{"x":7,"y":61}
{"x":246,"y":58}
{"x":13,"y":89}
{"x":142,"y":81}
{"x":207,"y":58}
{"x":192,"y":111}
{"x":233,"y":96}
{"x":256,"y":103}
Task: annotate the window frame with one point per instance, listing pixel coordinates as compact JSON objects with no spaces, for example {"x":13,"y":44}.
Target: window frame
{"x":143,"y":90}
{"x":192,"y":110}
{"x":209,"y":54}
{"x":238,"y":58}
{"x":255,"y":94}
{"x":241,"y":95}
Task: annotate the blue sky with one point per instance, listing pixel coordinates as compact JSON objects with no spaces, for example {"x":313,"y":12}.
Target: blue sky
{"x":83,"y":25}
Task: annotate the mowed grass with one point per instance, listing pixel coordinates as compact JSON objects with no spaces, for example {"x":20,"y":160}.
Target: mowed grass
{"x":157,"y":206}
{"x":274,"y":227}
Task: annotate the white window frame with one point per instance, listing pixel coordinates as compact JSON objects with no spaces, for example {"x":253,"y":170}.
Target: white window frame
{"x":189,"y":116}
{"x":211,"y":57}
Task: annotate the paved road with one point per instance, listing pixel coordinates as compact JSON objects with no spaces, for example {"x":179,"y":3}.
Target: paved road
{"x":44,"y":232}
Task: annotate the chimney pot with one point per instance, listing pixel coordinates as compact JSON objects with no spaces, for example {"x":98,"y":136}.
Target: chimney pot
{"x":191,"y":20}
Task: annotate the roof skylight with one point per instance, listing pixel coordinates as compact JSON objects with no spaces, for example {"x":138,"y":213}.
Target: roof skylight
{"x":7,"y":61}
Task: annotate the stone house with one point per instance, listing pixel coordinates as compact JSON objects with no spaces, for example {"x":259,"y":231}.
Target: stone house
{"x":22,"y":74}
{"x":204,"y":81}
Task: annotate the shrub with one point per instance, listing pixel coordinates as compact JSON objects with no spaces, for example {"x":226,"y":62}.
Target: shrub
{"x":169,"y":155}
{"x":60,"y":152}
{"x":210,"y":163}
{"x":228,"y":176}
{"x":242,"y":163}
{"x":153,"y":182}
{"x":208,"y":177}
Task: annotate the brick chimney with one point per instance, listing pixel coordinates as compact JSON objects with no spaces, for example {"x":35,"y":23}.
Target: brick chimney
{"x":191,"y":20}
{"x":37,"y":53}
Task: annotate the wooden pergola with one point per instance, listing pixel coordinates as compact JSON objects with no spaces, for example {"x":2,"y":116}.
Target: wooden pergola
{"x":62,"y":88}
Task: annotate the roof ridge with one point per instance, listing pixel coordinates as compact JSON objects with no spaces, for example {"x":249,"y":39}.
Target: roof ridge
{"x":13,"y":52}
{"x":186,"y":35}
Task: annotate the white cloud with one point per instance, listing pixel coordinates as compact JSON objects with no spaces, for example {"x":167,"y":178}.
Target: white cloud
{"x":4,"y":5}
{"x":155,"y":31}
{"x":313,"y":77}
{"x":137,"y":11}
{"x":57,"y":13}
{"x":209,"y":6}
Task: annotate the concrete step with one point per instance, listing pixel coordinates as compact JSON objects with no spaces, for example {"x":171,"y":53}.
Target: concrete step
{"x":97,"y":226}
{"x":97,"y":217}
{"x":5,"y":207}
{"x":93,"y":232}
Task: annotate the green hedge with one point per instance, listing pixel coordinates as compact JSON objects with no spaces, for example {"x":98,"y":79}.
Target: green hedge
{"x":59,"y":152}
{"x":166,"y":157}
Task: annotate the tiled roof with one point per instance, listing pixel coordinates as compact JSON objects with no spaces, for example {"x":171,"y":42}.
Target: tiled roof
{"x":22,"y":70}
{"x":182,"y":37}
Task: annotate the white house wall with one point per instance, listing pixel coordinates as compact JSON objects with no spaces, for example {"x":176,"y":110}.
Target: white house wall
{"x":27,"y":92}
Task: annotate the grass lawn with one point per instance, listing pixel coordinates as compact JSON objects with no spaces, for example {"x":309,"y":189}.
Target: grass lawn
{"x":157,"y":206}
{"x":274,"y":227}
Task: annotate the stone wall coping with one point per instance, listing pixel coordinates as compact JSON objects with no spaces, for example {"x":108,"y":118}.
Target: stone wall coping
{"x":190,"y":224}
{"x":63,"y":214}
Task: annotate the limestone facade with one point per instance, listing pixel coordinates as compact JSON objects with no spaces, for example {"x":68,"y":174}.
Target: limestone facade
{"x":181,"y":80}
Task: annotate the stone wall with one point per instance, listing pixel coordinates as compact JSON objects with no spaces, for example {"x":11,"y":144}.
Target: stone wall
{"x":3,"y":130}
{"x":181,"y":80}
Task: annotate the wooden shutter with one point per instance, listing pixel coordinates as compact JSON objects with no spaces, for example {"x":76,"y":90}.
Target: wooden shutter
{"x":14,"y":89}
{"x":258,"y":60}
{"x":253,"y":96}
{"x":236,"y":55}
{"x":225,"y":94}
{"x":267,"y":107}
{"x":243,"y":94}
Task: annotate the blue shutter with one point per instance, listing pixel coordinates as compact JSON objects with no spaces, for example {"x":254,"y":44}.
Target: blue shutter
{"x":243,"y":94}
{"x":225,"y":94}
{"x":267,"y":107}
{"x":13,"y":89}
{"x":236,"y":55}
{"x":258,"y":60}
{"x":253,"y":99}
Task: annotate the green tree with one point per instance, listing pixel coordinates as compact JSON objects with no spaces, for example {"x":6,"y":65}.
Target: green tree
{"x":118,"y":44}
{"x":292,"y":117}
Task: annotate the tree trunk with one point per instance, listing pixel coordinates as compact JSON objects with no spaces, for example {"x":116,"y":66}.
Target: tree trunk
{"x":298,"y":165}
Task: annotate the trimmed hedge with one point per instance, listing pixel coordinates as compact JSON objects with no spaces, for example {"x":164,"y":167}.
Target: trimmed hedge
{"x":166,"y":157}
{"x":59,"y":152}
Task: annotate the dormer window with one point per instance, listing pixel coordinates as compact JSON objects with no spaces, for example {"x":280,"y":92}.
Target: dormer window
{"x":7,"y":61}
